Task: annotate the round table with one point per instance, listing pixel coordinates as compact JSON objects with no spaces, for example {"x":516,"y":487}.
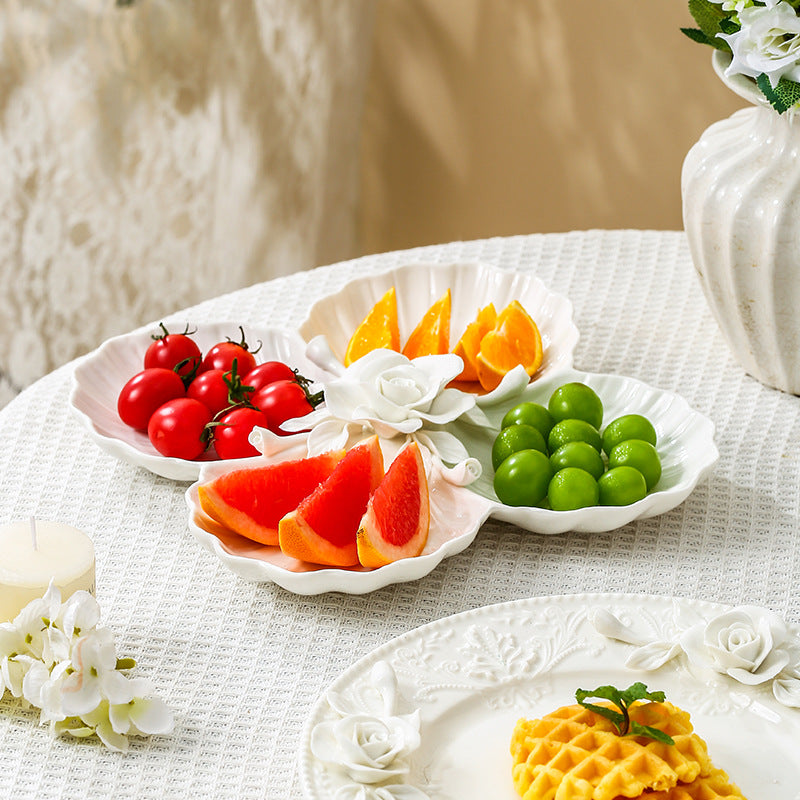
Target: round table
{"x":242,"y":664}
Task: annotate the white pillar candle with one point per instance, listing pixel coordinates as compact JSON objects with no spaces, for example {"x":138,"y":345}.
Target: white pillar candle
{"x":35,"y":552}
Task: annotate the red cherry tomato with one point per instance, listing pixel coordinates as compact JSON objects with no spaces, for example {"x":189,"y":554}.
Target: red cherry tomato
{"x":211,"y":390}
{"x":145,"y":392}
{"x":178,"y":428}
{"x":280,"y":401}
{"x":170,"y":349}
{"x":230,"y":434}
{"x":266,"y":373}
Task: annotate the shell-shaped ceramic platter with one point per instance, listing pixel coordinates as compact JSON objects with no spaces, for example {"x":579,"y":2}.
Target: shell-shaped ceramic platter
{"x":100,"y":375}
{"x":472,"y":286}
{"x":685,"y":444}
{"x":456,"y":516}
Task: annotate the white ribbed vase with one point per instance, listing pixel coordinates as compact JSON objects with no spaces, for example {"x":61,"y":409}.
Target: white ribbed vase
{"x":741,"y":212}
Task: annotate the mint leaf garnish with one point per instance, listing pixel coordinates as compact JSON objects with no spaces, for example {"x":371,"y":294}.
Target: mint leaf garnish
{"x":623,"y":699}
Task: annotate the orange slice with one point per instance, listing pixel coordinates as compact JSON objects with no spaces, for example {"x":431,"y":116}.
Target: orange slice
{"x":397,"y":519}
{"x":469,"y":344}
{"x":378,"y":329}
{"x":432,"y":334}
{"x":514,"y":340}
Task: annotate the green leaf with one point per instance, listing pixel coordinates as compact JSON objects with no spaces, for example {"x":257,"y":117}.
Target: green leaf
{"x":638,"y":691}
{"x":783,"y":97}
{"x":711,"y":20}
{"x":652,"y":733}
{"x":623,"y":699}
{"x":696,"y":35}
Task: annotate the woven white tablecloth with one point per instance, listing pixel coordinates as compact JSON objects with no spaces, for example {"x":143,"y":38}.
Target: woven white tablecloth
{"x":242,"y":664}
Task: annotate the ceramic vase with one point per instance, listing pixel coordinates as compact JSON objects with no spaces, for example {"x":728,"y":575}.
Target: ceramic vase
{"x":741,"y":213}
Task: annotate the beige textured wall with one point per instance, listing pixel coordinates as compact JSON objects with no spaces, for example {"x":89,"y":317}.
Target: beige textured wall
{"x":497,"y":117}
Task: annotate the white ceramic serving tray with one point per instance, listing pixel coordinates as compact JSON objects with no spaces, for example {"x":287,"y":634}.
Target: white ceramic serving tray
{"x":685,"y":443}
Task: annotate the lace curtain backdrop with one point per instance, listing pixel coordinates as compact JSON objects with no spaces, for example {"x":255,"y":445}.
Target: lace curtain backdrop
{"x":157,"y":154}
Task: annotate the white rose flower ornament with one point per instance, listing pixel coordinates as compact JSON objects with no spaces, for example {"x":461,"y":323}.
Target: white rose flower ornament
{"x":747,"y":643}
{"x":392,"y":396}
{"x":751,"y":645}
{"x":369,"y":741}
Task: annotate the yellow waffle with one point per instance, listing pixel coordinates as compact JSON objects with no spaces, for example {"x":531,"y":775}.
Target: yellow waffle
{"x":575,"y":754}
{"x":716,"y":786}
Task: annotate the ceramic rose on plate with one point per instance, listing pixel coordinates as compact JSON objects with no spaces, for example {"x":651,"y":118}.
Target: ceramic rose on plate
{"x":370,"y":742}
{"x":751,"y":645}
{"x":388,"y":394}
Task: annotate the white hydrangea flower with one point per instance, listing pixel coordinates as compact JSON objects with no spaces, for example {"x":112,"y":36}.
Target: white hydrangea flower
{"x":58,"y":657}
{"x":95,"y":676}
{"x":768,"y":42}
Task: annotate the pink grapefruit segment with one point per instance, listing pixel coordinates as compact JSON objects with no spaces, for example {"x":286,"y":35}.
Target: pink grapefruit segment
{"x":322,"y":529}
{"x":397,"y":519}
{"x":251,"y":502}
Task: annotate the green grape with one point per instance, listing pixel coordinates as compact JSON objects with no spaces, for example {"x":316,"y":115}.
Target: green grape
{"x":514,"y":438}
{"x":571,"y":488}
{"x":640,"y":455}
{"x":573,"y":430}
{"x":578,"y":454}
{"x":529,"y":413}
{"x":576,"y":401}
{"x":621,"y":486}
{"x":628,"y":426}
{"x":522,"y":479}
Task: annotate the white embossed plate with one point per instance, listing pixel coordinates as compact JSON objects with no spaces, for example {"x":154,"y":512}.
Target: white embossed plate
{"x":472,"y":675}
{"x":472,"y":286}
{"x":100,"y":375}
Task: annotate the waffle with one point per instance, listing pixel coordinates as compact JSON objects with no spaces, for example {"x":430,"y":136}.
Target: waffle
{"x":575,"y":754}
{"x":716,"y":786}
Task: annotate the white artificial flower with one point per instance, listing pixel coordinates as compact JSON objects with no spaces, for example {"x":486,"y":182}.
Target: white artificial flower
{"x":748,"y":643}
{"x":390,"y":395}
{"x":143,"y":714}
{"x":376,"y":696}
{"x":768,"y":42}
{"x":36,"y":618}
{"x":370,"y":749}
{"x":95,"y":676}
{"x":42,"y":688}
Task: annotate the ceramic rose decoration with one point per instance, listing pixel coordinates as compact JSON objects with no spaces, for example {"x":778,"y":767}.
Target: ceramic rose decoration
{"x":748,"y":643}
{"x":393,"y":396}
{"x":370,"y":742}
{"x":751,"y":645}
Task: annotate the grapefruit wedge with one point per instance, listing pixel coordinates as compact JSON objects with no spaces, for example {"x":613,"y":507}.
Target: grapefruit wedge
{"x":397,"y":519}
{"x":322,"y":529}
{"x":251,"y":502}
